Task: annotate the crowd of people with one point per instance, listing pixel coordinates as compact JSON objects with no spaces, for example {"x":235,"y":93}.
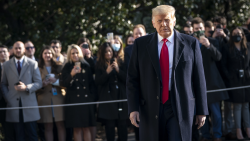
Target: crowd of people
{"x":78,"y":76}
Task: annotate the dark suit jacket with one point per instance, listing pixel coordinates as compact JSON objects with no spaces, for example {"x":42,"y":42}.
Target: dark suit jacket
{"x":128,"y":52}
{"x":248,"y":37}
{"x":144,"y":84}
{"x":213,"y":78}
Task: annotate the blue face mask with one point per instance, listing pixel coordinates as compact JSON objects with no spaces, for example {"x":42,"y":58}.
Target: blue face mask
{"x":116,"y":47}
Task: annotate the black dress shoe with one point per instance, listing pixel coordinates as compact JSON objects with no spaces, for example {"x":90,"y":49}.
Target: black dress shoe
{"x":230,"y":136}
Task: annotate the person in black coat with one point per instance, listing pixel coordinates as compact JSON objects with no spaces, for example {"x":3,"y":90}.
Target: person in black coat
{"x":171,"y":120}
{"x":7,"y":128}
{"x":235,"y":64}
{"x":210,"y":55}
{"x":110,"y":79}
{"x":78,"y":79}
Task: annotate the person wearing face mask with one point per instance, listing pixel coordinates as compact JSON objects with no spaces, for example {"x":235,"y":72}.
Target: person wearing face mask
{"x":210,"y":55}
{"x":235,"y":64}
{"x":78,"y":79}
{"x":111,"y":79}
{"x":50,"y":94}
{"x":117,"y":46}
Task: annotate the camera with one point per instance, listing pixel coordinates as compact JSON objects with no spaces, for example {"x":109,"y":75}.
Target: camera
{"x":85,"y":46}
{"x":198,"y":34}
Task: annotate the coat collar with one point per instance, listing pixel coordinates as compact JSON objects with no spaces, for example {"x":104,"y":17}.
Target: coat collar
{"x":23,"y":69}
{"x":152,"y":49}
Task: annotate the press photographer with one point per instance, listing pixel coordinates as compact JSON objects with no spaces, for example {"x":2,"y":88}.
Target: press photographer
{"x":210,"y":54}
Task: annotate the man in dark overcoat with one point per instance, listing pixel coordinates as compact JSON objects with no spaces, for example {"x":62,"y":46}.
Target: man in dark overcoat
{"x":166,"y":85}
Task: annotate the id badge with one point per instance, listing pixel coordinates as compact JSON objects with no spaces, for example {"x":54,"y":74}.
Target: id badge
{"x":54,"y":91}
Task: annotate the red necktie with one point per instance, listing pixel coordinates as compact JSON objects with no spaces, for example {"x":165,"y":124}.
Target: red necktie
{"x":164,"y":63}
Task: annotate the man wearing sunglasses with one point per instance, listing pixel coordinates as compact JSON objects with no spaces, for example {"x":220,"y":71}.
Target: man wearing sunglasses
{"x":57,"y":46}
{"x":30,"y":50}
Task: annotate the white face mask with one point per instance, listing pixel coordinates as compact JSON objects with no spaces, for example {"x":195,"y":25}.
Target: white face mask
{"x":116,"y":47}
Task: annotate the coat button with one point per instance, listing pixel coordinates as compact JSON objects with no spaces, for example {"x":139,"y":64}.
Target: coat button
{"x":78,"y":95}
{"x":157,"y":97}
{"x":76,"y":79}
{"x":77,"y":87}
{"x":50,"y":91}
{"x":84,"y":87}
{"x":17,"y":99}
{"x":86,"y":95}
{"x":157,"y":77}
{"x":108,"y":91}
{"x":156,"y":117}
{"x":83,"y":80}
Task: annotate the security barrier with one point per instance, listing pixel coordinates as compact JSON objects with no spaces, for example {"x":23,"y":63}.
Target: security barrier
{"x":103,"y":102}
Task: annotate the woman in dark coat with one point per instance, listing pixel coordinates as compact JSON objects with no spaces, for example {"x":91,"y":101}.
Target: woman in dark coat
{"x":111,"y":79}
{"x":235,"y":64}
{"x":80,"y":89}
{"x":87,"y":49}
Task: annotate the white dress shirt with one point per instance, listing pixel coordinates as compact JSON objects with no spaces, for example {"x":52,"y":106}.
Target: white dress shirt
{"x":20,"y":60}
{"x":33,"y":58}
{"x":170,"y":45}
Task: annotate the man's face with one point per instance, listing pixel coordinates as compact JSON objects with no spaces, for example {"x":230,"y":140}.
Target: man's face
{"x":164,"y":24}
{"x":56,"y":48}
{"x":188,"y":30}
{"x":208,"y":31}
{"x":198,"y":27}
{"x":19,"y":50}
{"x":4,"y":55}
{"x":138,"y":32}
{"x":29,"y":49}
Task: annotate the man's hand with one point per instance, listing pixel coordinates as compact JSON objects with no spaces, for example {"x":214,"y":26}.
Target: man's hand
{"x":200,"y":121}
{"x":20,"y":87}
{"x":134,"y":116}
{"x":204,"y":41}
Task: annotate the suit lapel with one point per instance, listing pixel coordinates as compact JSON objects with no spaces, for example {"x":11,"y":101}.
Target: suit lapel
{"x":178,"y":50}
{"x":25,"y":65}
{"x":13,"y":66}
{"x":152,"y":49}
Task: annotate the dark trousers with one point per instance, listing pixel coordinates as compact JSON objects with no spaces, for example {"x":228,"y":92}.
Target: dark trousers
{"x":169,"y":129}
{"x":9,"y":131}
{"x":195,"y":131}
{"x":136,"y":129}
{"x":122,"y":129}
{"x":41,"y":132}
{"x":25,"y":131}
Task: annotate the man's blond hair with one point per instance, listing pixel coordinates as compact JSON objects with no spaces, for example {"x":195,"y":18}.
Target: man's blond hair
{"x":164,"y":10}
